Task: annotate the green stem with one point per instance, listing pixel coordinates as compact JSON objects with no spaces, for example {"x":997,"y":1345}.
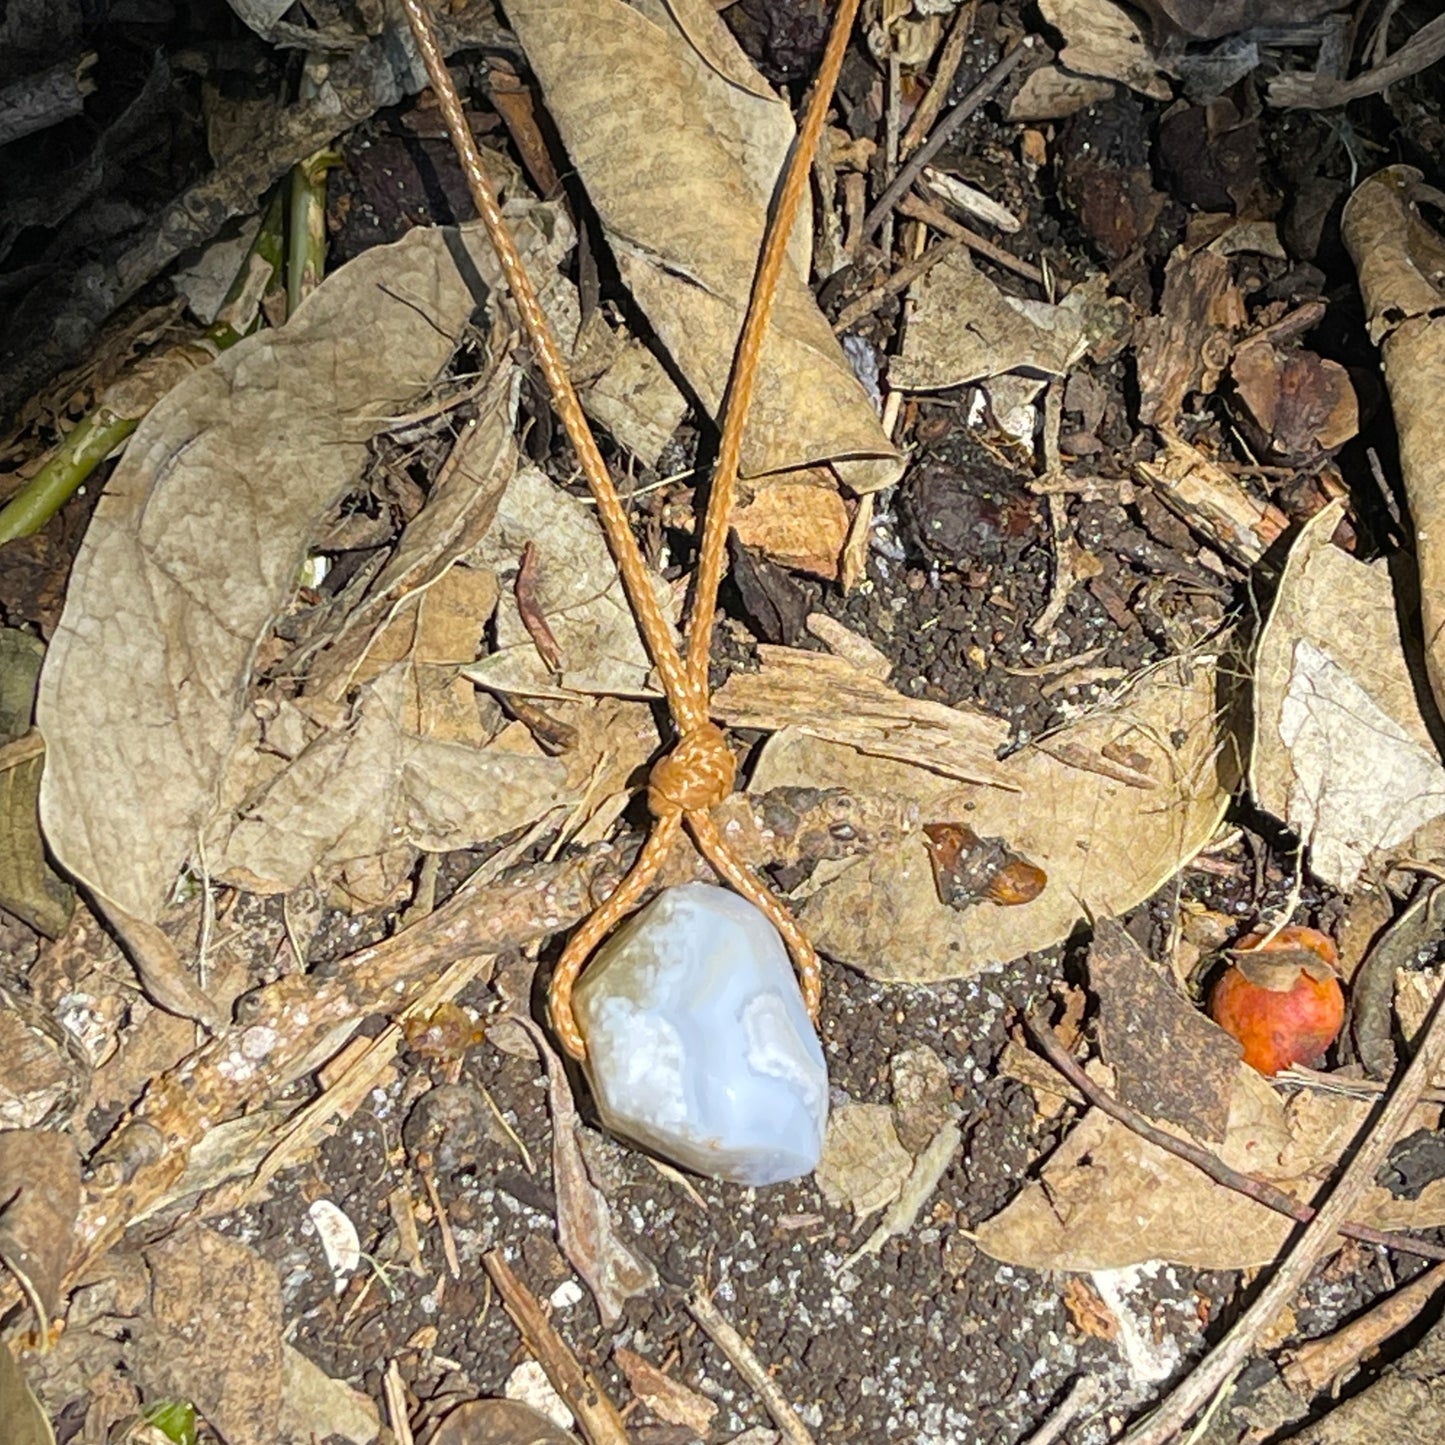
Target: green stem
{"x":65,"y":469}
{"x":124,"y":405}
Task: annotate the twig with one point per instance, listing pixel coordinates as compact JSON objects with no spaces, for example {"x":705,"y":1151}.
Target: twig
{"x":580,"y":1389}
{"x":900,"y":280}
{"x":908,"y":173}
{"x":1257,"y":1189}
{"x":1317,"y":1240}
{"x":1082,"y":1395}
{"x":917,"y":209}
{"x":1323,"y":1362}
{"x":754,"y":1373}
{"x":1325,"y":92}
{"x":937,"y":92}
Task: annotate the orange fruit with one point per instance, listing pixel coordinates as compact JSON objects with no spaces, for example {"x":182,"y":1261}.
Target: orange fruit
{"x":1282,"y":1000}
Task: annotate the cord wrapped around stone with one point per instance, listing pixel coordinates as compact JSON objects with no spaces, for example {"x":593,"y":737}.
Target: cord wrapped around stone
{"x":683,"y":786}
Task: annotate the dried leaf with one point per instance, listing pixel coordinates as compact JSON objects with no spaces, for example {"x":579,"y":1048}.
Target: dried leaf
{"x":578,"y":592}
{"x":680,"y":144}
{"x":1103,"y":39}
{"x":314,"y":1406}
{"x":963,"y":328}
{"x":1107,"y":1199}
{"x":39,"y":1200}
{"x":44,"y":1068}
{"x":355,"y":793}
{"x":1341,"y":752}
{"x":863,"y":1163}
{"x":1104,"y":842}
{"x":1051,"y":93}
{"x":584,"y":1222}
{"x":29,"y":887}
{"x":1144,"y":1018}
{"x":194,"y":548}
{"x":26,"y":1423}
{"x":917,"y":1188}
{"x":228,"y":1361}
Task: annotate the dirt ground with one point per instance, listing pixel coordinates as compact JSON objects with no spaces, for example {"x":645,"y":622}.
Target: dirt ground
{"x":928,"y":1340}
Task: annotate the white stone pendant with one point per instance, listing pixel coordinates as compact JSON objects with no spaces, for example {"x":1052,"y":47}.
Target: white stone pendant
{"x":699,"y":1047}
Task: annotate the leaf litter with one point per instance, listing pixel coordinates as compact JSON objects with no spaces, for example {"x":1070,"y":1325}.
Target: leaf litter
{"x":266,"y":736}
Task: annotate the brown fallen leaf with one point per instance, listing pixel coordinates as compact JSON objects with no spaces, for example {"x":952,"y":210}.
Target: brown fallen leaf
{"x":227,"y":1362}
{"x":195,"y":546}
{"x":578,"y":591}
{"x":1103,"y":39}
{"x":584,"y":1222}
{"x":1104,"y":844}
{"x":1301,"y":404}
{"x":1107,"y":1199}
{"x":39,"y":1201}
{"x":679,"y":143}
{"x":357,"y":793}
{"x":964,"y":328}
{"x":863,"y":1164}
{"x":1145,"y":1019}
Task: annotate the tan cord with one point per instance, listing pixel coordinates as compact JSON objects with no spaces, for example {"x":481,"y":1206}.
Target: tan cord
{"x":697,"y":774}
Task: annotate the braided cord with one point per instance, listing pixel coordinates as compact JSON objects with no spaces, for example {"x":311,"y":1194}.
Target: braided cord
{"x":739,"y":398}
{"x":698,"y":772}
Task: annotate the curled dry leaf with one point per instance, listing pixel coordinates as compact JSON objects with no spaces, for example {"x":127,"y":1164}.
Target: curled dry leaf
{"x":1401,"y":260}
{"x":584,"y":1222}
{"x":1341,"y":753}
{"x":679,"y":143}
{"x":1104,"y":40}
{"x":1105,"y":842}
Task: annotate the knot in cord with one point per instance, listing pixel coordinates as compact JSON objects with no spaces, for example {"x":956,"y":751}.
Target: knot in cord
{"x":695,"y":776}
